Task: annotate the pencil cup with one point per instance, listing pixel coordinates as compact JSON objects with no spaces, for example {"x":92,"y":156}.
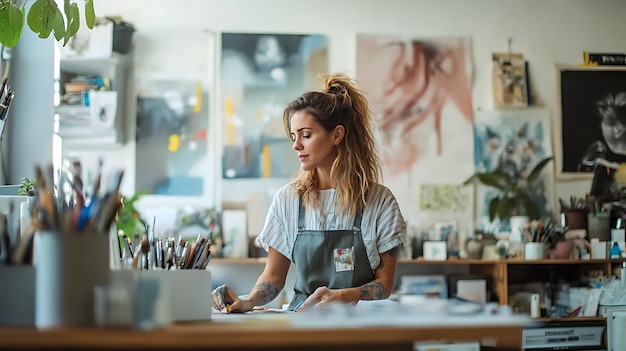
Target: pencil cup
{"x":533,"y":251}
{"x":576,"y":219}
{"x":69,"y":266}
{"x":599,"y":226}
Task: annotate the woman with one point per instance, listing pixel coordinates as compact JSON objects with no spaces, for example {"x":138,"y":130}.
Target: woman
{"x":334,"y":221}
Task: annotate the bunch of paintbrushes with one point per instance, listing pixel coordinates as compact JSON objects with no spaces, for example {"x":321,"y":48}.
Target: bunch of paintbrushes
{"x":66,"y":207}
{"x":538,"y":231}
{"x":155,"y":253}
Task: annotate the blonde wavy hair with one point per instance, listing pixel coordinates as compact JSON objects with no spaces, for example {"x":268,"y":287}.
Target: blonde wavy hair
{"x":357,"y":166}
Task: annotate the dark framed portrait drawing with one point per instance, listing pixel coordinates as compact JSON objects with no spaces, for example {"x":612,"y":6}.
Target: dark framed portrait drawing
{"x":590,"y":124}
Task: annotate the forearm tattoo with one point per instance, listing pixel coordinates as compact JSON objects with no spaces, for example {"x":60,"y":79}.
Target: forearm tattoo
{"x":266,"y":291}
{"x":375,"y":290}
{"x":372,"y":291}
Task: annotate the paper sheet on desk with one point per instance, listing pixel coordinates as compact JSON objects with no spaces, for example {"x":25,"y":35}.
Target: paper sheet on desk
{"x":396,"y":314}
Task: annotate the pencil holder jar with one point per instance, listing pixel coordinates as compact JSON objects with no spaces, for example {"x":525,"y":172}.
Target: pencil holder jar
{"x":599,"y":226}
{"x":575,"y":219}
{"x":533,"y":251}
{"x":68,"y":266}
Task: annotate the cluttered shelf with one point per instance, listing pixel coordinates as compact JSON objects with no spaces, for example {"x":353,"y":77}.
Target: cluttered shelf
{"x":565,"y":261}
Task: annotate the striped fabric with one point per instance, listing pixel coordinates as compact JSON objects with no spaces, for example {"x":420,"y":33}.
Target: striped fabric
{"x":383,"y":226}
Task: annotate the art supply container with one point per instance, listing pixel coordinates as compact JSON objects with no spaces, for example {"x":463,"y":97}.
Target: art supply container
{"x":599,"y":226}
{"x":68,"y":268}
{"x":17,"y":296}
{"x":533,"y":251}
{"x":576,"y":219}
{"x":598,"y":249}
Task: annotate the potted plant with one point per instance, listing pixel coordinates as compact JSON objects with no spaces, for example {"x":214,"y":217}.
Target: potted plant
{"x":513,"y":198}
{"x":27,"y":187}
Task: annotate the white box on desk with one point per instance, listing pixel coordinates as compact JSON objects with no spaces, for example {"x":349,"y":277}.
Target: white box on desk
{"x":443,"y":346}
{"x":17,"y":295}
{"x":189,"y":290}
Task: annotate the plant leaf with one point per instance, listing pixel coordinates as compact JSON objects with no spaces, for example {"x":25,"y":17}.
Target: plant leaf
{"x":66,"y":7}
{"x":10,"y":33}
{"x":537,"y":170}
{"x":34,"y":16}
{"x":90,"y":14}
{"x":16,"y":16}
{"x":494,"y":179}
{"x":73,"y":22}
{"x":41,"y":18}
{"x":504,"y":207}
{"x":493,"y":206}
{"x":532,"y":211}
{"x":59,"y":26}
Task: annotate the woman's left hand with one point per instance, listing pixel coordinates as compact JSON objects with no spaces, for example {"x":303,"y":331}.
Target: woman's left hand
{"x":321,"y":296}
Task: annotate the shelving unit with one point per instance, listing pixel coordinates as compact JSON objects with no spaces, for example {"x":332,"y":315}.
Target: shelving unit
{"x":503,"y":272}
{"x":75,"y":124}
{"x":507,"y":272}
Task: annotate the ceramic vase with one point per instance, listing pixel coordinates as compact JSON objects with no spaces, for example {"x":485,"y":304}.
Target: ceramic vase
{"x":562,"y":249}
{"x":474,"y":249}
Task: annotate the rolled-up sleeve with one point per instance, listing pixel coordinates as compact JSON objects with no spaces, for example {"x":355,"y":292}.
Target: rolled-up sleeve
{"x":274,"y":233}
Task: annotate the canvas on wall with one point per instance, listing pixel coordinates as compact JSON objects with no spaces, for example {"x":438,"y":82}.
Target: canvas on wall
{"x":172,"y":138}
{"x":260,"y":74}
{"x":173,"y":85}
{"x":591,"y":123}
{"x":420,"y":92}
{"x":512,"y":141}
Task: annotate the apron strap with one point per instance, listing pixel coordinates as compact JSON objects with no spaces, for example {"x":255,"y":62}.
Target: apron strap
{"x":357,"y":221}
{"x":300,"y":214}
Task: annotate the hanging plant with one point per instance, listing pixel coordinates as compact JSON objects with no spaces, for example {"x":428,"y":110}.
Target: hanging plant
{"x":44,"y":18}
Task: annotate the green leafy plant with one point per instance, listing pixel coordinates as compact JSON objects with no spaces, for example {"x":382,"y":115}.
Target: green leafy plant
{"x":513,"y":198}
{"x":44,"y":18}
{"x":128,"y":217}
{"x":27,"y":187}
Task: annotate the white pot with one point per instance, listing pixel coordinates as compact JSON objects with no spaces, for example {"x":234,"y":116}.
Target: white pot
{"x":518,"y":223}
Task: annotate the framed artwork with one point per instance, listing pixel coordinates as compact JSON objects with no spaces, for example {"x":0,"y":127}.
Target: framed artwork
{"x":260,"y":74}
{"x":172,"y":138}
{"x":590,"y":122}
{"x":435,"y":250}
{"x":420,"y":91}
{"x":174,"y":131}
{"x":512,"y":141}
{"x":448,"y":232}
{"x":509,"y":79}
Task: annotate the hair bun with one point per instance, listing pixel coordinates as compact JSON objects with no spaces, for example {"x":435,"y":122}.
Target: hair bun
{"x":337,"y":88}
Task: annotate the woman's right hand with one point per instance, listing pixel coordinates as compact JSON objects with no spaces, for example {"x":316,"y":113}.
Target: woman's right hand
{"x":225,"y":299}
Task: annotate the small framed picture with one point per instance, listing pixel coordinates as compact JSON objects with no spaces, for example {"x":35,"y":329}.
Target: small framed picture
{"x":435,"y":250}
{"x":448,"y":232}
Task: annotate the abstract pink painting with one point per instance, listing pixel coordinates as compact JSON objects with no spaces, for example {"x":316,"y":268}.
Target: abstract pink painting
{"x":420,"y":91}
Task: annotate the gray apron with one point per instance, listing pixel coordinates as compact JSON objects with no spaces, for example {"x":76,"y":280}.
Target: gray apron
{"x":336,"y":259}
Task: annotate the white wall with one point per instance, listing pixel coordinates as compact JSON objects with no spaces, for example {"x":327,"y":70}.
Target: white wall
{"x":545,"y":31}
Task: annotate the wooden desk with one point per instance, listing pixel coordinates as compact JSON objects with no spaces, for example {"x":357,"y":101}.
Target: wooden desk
{"x":256,"y":334}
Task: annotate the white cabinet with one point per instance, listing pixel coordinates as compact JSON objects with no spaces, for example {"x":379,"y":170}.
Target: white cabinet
{"x":91,"y":101}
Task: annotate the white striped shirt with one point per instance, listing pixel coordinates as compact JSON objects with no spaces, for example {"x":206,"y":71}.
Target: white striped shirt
{"x":382,"y":225}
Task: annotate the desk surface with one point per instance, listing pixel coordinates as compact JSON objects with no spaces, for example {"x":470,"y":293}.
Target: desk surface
{"x":237,"y":332}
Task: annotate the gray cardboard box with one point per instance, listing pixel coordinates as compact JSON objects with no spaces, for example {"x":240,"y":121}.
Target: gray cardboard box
{"x":17,"y":295}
